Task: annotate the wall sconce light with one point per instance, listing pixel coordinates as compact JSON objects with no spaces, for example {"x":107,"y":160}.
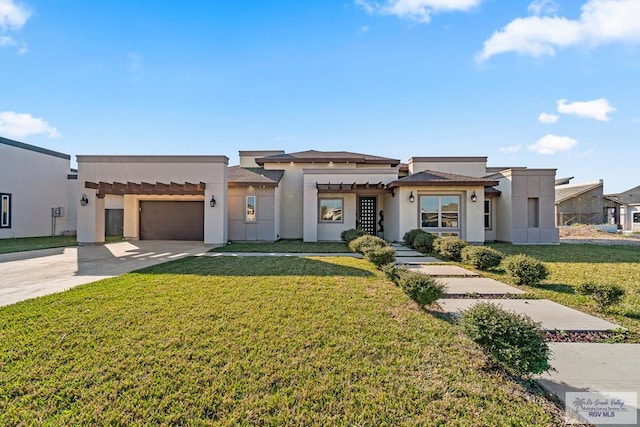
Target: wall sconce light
{"x":474,"y":197}
{"x":411,"y":198}
{"x":212,"y":202}
{"x":83,"y":200}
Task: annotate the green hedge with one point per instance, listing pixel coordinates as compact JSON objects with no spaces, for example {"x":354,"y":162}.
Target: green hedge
{"x":526,"y":270}
{"x":481,"y":257}
{"x":366,"y":243}
{"x":449,"y":247}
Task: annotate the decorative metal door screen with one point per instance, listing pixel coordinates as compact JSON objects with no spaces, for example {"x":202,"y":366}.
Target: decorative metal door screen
{"x":368,"y":215}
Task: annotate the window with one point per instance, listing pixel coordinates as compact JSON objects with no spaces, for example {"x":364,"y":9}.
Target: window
{"x":330,"y":210}
{"x":5,"y":210}
{"x":250,"y":209}
{"x":440,"y":212}
{"x":487,"y":214}
{"x":636,"y":217}
{"x":533,"y":210}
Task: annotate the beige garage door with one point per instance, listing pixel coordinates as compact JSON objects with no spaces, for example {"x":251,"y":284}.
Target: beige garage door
{"x":171,"y":220}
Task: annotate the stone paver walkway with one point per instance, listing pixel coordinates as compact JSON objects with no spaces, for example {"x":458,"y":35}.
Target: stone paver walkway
{"x":436,"y":270}
{"x":553,"y":316}
{"x":477,"y":285}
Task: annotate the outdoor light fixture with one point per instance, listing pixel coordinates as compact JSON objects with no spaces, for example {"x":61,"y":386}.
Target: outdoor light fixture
{"x":474,"y":197}
{"x":212,"y":202}
{"x":83,"y":200}
{"x":411,"y":198}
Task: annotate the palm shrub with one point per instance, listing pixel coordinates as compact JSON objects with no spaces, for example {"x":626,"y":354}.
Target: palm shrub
{"x":381,"y":256}
{"x":481,"y":257}
{"x":366,"y":243}
{"x":423,"y":242}
{"x":410,"y":236}
{"x":525,"y":269}
{"x":449,"y":247}
{"x":514,"y":341}
{"x":604,"y":295}
{"x":423,"y":289}
{"x":351,"y":234}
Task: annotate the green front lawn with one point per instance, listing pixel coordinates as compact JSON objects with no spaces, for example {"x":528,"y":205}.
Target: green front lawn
{"x":33,"y":243}
{"x":285,"y":246}
{"x":572,"y":264}
{"x":247,"y":341}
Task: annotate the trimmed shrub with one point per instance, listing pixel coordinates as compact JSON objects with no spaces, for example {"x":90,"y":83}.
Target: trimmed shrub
{"x":351,"y":234}
{"x":514,"y":341}
{"x":381,"y":256}
{"x":449,"y":247}
{"x":422,"y":289}
{"x":410,"y":236}
{"x":525,"y":269}
{"x":604,"y":295}
{"x":424,"y":242}
{"x":391,"y":271}
{"x":366,"y":243}
{"x":481,"y":257}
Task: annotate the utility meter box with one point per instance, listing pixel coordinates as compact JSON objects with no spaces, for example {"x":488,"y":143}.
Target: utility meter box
{"x":59,"y":211}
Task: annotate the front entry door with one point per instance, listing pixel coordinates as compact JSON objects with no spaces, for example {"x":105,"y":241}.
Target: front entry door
{"x":367,"y":214}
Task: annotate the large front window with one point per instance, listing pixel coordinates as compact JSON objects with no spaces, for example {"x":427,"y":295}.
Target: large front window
{"x":5,"y":210}
{"x":330,"y":210}
{"x":440,"y":213}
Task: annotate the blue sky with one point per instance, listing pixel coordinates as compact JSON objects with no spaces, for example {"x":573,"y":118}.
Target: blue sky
{"x":527,"y":83}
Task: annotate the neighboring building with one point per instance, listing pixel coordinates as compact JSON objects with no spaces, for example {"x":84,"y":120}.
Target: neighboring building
{"x":314,"y":196}
{"x":37,"y":191}
{"x":624,"y":209}
{"x":580,"y":203}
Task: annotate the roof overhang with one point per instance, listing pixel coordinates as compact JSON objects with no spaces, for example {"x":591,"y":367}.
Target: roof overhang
{"x":364,"y":188}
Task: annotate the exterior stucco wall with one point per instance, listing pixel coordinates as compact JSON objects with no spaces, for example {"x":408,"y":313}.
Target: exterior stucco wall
{"x":37,"y":182}
{"x":471,"y":213}
{"x":391,"y":218}
{"x":212,"y":170}
{"x":518,"y":186}
{"x":468,"y":166}
{"x":264,"y":228}
{"x":316,"y":231}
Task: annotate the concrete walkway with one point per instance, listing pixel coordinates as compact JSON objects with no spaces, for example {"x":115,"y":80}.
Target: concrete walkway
{"x":553,"y":316}
{"x":478,"y":285}
{"x":32,"y":274}
{"x":443,"y":271}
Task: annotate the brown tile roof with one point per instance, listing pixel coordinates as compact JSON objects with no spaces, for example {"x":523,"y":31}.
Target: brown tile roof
{"x":429,"y":178}
{"x":327,"y":156}
{"x":253,"y":176}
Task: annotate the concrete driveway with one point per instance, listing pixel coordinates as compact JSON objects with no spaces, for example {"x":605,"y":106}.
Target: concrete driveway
{"x":25,"y":275}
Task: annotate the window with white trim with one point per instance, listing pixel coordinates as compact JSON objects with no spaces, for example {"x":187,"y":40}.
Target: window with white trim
{"x":5,"y":210}
{"x":250,"y":209}
{"x":330,"y":210}
{"x":440,"y":214}
{"x":487,"y":214}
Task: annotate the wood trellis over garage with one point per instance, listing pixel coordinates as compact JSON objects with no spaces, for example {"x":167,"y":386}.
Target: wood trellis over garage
{"x":173,"y":188}
{"x":365,"y":188}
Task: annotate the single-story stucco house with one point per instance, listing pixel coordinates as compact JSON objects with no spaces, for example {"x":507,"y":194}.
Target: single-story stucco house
{"x":314,"y":196}
{"x":624,"y":209}
{"x":38,"y":191}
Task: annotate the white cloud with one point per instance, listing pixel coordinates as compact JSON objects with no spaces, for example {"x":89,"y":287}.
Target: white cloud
{"x":600,"y":22}
{"x":13,"y":15}
{"x":16,"y":125}
{"x":551,"y":144}
{"x":416,"y":10}
{"x":543,"y":7}
{"x":548,"y":118}
{"x":364,"y":29}
{"x":598,"y":109}
{"x":512,"y":149}
{"x":635,"y":120}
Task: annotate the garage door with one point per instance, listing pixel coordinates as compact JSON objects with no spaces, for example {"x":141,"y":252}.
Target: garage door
{"x":172,"y":220}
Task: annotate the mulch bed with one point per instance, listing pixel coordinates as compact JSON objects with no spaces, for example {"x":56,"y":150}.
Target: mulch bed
{"x":584,"y":336}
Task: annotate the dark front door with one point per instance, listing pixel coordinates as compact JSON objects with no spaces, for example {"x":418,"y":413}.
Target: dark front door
{"x":171,"y":220}
{"x":367,"y":214}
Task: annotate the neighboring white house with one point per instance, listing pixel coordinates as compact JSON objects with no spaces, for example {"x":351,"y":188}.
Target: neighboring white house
{"x":314,"y":196}
{"x":624,"y":209}
{"x":37,"y":191}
